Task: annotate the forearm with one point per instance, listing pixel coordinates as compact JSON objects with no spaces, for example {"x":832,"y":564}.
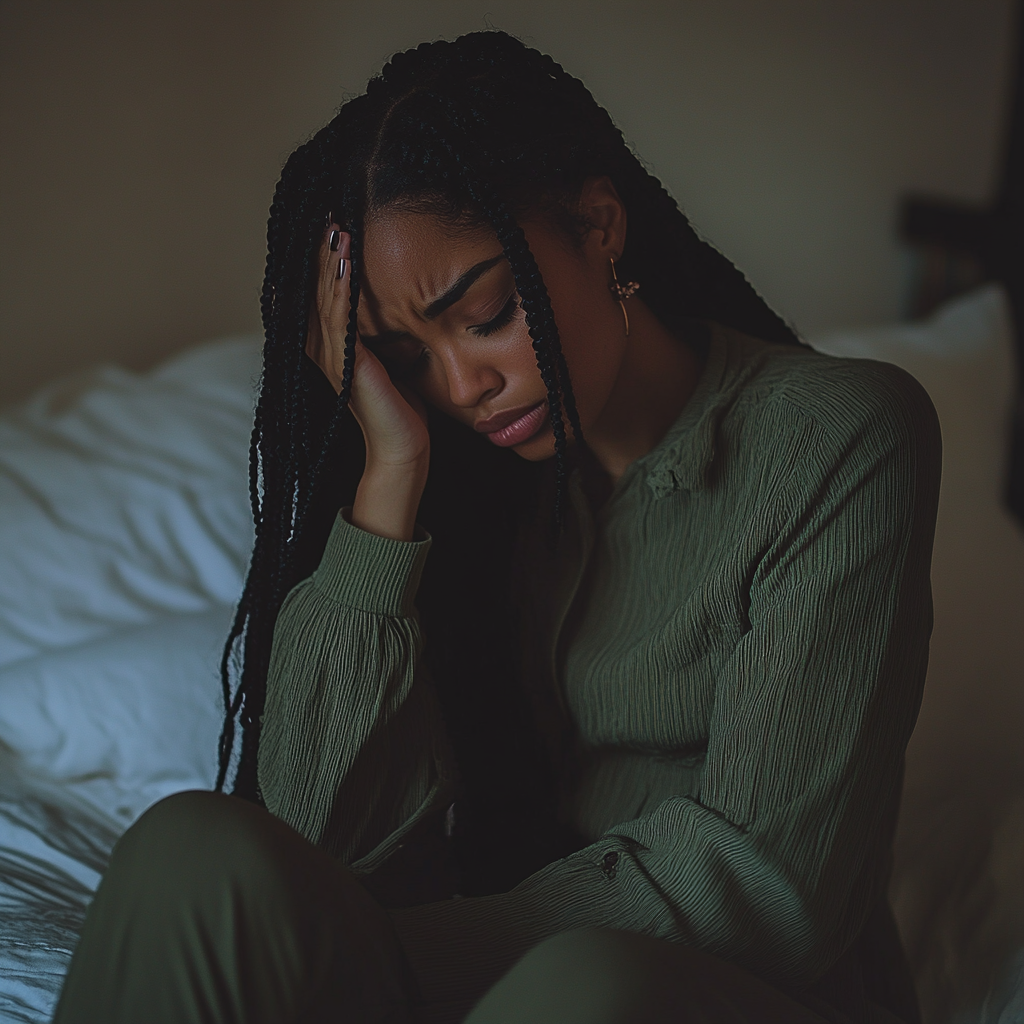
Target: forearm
{"x":344,"y":658}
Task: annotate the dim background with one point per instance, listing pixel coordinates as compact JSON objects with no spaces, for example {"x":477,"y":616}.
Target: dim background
{"x":141,"y":143}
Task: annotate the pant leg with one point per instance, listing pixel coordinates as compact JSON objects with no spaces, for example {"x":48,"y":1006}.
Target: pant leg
{"x":606,"y":976}
{"x":214,"y":911}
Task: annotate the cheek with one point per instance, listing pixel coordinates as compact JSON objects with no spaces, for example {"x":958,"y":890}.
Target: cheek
{"x":433,"y":389}
{"x":519,"y":358}
{"x":507,"y":363}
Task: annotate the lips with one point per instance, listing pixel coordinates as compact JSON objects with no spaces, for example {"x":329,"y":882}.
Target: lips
{"x":515,"y":426}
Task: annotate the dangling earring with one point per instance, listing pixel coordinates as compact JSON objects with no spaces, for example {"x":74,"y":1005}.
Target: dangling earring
{"x":622,"y":291}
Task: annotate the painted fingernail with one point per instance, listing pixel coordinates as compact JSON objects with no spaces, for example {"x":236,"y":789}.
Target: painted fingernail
{"x":328,"y":219}
{"x":341,"y":267}
{"x":335,"y":240}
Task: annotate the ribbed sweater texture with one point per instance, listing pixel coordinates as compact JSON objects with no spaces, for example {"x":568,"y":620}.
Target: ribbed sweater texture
{"x":750,"y":615}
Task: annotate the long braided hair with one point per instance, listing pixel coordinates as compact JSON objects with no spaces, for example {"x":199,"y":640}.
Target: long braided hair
{"x":480,"y":130}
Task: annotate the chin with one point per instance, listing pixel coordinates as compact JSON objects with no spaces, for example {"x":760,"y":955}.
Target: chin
{"x":538,"y":448}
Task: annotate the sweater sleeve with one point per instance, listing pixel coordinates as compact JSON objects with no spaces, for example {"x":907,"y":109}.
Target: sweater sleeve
{"x":353,"y":752}
{"x":778,"y":860}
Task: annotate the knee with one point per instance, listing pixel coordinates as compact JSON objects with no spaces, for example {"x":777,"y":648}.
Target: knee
{"x":199,"y":834}
{"x":216,"y":859}
{"x":179,"y":811}
{"x":575,"y":954}
{"x":598,"y":959}
{"x":187,"y":822}
{"x":590,"y":976}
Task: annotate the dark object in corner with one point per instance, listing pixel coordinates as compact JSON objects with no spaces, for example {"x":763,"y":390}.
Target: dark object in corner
{"x":962,"y":246}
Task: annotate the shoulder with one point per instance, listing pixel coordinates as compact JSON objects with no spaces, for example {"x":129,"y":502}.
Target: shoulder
{"x":791,"y":392}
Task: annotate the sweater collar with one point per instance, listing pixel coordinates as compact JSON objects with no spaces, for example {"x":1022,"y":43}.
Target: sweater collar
{"x":683,"y":458}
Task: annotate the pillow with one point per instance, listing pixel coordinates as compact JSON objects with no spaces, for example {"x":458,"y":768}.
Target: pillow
{"x":121,"y":721}
{"x":124,"y":497}
{"x":125,"y":532}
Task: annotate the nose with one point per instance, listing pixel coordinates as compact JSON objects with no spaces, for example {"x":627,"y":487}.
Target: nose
{"x":470,"y":381}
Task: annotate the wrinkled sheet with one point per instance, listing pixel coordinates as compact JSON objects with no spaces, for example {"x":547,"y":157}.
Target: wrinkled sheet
{"x":125,"y":533}
{"x":51,"y":858}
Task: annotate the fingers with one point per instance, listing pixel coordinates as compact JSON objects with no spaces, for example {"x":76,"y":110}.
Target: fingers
{"x":337,"y":279}
{"x":332,"y":303}
{"x":334,"y":253}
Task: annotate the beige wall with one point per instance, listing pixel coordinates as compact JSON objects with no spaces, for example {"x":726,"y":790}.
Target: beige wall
{"x":141,"y":142}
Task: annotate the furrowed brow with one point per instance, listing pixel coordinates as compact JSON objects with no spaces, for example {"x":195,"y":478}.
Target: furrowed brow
{"x":457,"y":290}
{"x":385,"y":338}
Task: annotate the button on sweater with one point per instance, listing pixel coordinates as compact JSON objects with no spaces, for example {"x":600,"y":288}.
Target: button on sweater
{"x":735,"y":642}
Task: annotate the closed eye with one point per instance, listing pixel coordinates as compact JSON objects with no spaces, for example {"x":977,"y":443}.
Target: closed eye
{"x":503,"y":319}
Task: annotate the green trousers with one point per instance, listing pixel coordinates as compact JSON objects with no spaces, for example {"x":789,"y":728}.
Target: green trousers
{"x":214,"y":911}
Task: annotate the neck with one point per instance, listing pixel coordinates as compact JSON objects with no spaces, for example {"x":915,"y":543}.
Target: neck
{"x":656,"y":379}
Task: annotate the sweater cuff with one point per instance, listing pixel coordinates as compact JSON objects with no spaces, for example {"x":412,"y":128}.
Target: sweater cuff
{"x":373,"y":574}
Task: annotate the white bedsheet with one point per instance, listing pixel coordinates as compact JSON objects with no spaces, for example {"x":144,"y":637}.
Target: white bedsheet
{"x":51,"y":858}
{"x":124,"y":536}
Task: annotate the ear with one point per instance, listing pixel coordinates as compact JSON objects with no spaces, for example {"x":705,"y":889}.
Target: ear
{"x":602,"y":209}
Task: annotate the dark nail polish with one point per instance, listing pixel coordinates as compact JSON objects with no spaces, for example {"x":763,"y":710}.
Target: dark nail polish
{"x":328,"y":219}
{"x":335,"y":240}
{"x":341,"y":267}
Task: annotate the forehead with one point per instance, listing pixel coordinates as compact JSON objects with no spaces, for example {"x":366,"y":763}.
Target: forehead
{"x":412,"y":258}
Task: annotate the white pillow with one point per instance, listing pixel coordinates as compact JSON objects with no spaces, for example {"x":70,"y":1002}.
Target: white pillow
{"x":122,"y":721}
{"x":124,"y":497}
{"x":125,"y":532}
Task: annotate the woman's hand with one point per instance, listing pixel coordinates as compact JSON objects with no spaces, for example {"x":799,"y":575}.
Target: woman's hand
{"x":392,"y":418}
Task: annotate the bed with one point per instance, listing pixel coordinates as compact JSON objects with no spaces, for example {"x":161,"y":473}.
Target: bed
{"x":124,"y":537}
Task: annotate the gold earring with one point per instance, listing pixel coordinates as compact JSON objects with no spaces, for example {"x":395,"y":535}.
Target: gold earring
{"x":621,"y":292}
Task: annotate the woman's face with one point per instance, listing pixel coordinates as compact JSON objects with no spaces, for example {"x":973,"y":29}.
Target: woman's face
{"x":440,"y":309}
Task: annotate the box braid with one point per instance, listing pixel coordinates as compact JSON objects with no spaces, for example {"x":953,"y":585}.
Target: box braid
{"x":479,"y":131}
{"x":533,"y":294}
{"x":282,"y":463}
{"x":544,"y":334}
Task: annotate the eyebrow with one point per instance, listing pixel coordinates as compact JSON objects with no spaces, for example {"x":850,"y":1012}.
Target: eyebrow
{"x":457,"y":290}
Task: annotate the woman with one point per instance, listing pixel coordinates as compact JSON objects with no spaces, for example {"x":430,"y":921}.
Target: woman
{"x":627,"y":745}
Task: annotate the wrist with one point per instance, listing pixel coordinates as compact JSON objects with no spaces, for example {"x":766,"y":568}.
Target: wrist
{"x":388,"y":497}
